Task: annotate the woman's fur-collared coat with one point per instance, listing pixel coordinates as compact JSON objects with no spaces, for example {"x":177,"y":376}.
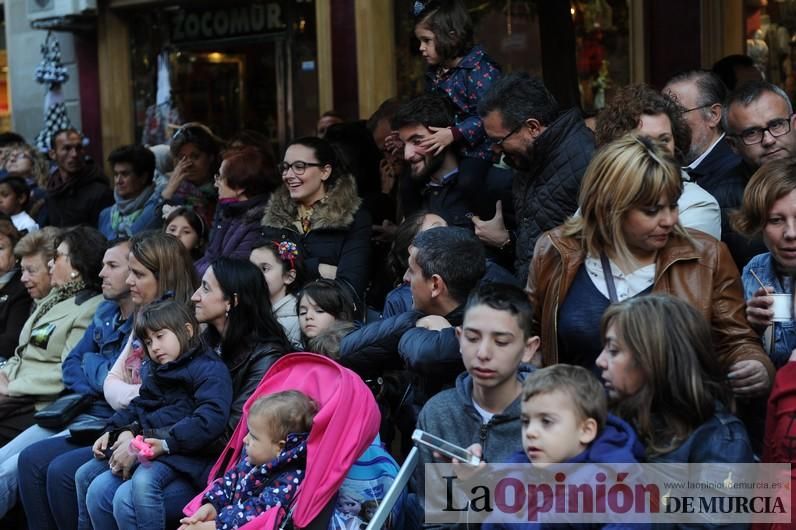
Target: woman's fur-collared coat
{"x":340,"y":233}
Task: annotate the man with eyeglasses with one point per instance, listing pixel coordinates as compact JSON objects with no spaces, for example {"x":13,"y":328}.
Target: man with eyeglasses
{"x":77,"y":190}
{"x":549,"y":150}
{"x":758,"y":120}
{"x":711,"y":159}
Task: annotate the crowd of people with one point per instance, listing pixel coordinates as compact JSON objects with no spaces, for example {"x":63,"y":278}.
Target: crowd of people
{"x":500,"y":272}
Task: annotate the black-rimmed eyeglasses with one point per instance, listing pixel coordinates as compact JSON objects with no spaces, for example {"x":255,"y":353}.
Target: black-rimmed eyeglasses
{"x":511,"y":133}
{"x":298,"y":167}
{"x":775,"y":128}
{"x":686,"y":111}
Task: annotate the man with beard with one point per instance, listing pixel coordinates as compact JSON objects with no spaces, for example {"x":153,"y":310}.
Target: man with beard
{"x":549,"y":150}
{"x":433,"y":174}
{"x":77,"y":190}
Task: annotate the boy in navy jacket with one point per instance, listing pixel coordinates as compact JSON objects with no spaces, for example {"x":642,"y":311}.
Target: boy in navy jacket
{"x":565,"y":419}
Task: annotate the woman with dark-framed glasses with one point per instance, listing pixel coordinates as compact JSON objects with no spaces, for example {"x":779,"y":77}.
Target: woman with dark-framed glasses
{"x":318,"y":205}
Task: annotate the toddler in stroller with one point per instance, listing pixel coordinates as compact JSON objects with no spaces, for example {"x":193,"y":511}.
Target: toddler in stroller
{"x":270,"y":468}
{"x":344,"y":426}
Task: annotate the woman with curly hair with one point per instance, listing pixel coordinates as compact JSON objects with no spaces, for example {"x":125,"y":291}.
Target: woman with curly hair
{"x":640,"y":109}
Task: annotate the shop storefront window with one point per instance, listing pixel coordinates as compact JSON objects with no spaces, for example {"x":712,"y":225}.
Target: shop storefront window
{"x":770,"y":28}
{"x":233,"y":66}
{"x":602,"y":46}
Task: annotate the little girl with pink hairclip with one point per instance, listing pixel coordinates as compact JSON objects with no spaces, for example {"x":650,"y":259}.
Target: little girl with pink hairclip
{"x":281,"y":262}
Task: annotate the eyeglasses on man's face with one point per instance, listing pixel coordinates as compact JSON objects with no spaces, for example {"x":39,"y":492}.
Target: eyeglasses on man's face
{"x":775,"y":128}
{"x":510,"y":134}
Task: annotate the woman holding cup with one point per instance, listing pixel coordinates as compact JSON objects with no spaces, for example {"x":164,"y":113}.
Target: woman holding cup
{"x":769,"y":209}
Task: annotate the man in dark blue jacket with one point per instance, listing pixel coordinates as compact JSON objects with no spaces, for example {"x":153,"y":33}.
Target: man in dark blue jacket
{"x":445,"y":264}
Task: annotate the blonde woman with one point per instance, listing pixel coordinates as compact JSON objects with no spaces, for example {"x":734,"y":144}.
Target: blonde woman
{"x":628,"y":242}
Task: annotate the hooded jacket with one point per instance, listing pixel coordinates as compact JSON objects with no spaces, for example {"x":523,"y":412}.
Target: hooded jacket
{"x":547,"y":193}
{"x":701,"y":273}
{"x":80,"y":200}
{"x":340,"y":233}
{"x":616,"y":442}
{"x":451,"y":415}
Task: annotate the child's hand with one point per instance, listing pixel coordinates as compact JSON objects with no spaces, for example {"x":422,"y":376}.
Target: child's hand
{"x":440,"y":138}
{"x":157,"y":447}
{"x":204,"y":514}
{"x":100,"y":446}
{"x":393,"y":144}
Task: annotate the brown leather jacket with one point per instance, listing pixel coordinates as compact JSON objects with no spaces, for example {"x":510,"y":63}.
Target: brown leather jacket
{"x":703,"y":274}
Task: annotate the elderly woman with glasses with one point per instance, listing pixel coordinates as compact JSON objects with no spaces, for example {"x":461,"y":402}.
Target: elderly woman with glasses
{"x":318,"y":205}
{"x":243,"y":191}
{"x":196,"y":151}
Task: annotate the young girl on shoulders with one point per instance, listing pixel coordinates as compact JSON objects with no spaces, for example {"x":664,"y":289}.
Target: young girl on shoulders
{"x":271,"y":466}
{"x":463,"y":72}
{"x":183,"y":406}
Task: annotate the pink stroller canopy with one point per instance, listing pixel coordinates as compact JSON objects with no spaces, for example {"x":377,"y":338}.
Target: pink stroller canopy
{"x":346,"y":423}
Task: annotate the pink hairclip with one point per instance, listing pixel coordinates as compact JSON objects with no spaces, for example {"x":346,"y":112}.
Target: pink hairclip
{"x":287,"y":251}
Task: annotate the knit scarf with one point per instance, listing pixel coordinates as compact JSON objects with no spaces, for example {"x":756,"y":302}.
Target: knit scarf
{"x":202,"y":198}
{"x":59,"y":294}
{"x":125,"y":212}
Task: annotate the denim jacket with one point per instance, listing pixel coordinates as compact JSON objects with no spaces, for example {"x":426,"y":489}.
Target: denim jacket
{"x":86,"y":366}
{"x":722,"y":438}
{"x":784,"y":332}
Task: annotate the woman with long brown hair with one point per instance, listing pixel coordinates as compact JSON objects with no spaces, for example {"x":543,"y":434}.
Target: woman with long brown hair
{"x":662,"y":376}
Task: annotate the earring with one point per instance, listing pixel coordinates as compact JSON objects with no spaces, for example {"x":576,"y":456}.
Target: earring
{"x":73,"y":275}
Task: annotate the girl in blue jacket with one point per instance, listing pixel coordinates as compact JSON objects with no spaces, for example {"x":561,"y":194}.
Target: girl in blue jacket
{"x":182,"y":408}
{"x":463,"y":73}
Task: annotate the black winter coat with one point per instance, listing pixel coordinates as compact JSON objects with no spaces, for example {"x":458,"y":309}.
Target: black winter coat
{"x":547,"y":193}
{"x":80,"y":200}
{"x":340,"y":233}
{"x":247,"y":370}
{"x":14,"y":311}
